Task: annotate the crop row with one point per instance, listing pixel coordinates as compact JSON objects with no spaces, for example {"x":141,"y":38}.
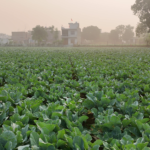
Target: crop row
{"x":79,"y":98}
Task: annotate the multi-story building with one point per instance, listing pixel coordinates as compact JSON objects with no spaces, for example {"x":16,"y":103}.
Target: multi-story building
{"x":72,"y":35}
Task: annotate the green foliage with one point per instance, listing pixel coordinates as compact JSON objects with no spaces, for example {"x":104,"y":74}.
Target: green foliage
{"x":44,"y":107}
{"x":141,"y":9}
{"x":141,"y":29}
{"x":39,"y":34}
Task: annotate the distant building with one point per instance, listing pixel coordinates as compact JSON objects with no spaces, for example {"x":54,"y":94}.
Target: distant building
{"x":72,"y":35}
{"x":4,"y":39}
{"x":21,"y":38}
{"x":25,"y":38}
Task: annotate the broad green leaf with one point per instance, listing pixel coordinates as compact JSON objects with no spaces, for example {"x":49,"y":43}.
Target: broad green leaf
{"x":19,"y":137}
{"x":88,"y":104}
{"x":95,"y":147}
{"x":45,"y":128}
{"x":9,"y":136}
{"x":69,"y":140}
{"x":141,"y":145}
{"x":61,"y":143}
{"x":25,"y":147}
{"x":61,"y":134}
{"x":34,"y":139}
{"x":8,"y":145}
{"x":127,"y":140}
{"x":79,"y":142}
{"x":97,"y":142}
{"x":83,"y":118}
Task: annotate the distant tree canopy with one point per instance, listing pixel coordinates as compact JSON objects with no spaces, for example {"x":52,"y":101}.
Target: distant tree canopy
{"x":121,"y":33}
{"x":128,"y":33}
{"x":141,"y":8}
{"x":114,"y":36}
{"x":39,"y":34}
{"x":120,"y":29}
{"x":141,"y":29}
{"x":91,"y":33}
{"x":147,"y":38}
{"x":54,"y":31}
{"x":104,"y":37}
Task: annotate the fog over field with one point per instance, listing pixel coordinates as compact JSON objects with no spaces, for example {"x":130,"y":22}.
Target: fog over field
{"x":23,"y":15}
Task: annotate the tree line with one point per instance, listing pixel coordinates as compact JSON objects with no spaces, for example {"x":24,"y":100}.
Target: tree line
{"x":141,"y":8}
{"x":40,"y":34}
{"x":122,"y":34}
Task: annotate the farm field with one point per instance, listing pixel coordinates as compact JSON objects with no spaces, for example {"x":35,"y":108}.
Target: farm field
{"x":74,"y":98}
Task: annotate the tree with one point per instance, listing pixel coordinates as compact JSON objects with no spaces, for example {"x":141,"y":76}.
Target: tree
{"x":147,"y":38}
{"x":141,"y":29}
{"x":39,"y":34}
{"x":128,"y":33}
{"x":120,"y":29}
{"x":55,"y":33}
{"x":91,"y":33}
{"x":104,"y":37}
{"x":141,"y":8}
{"x":114,"y":36}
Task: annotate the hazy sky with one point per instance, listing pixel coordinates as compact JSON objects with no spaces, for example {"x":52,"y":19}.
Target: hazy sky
{"x":23,"y":15}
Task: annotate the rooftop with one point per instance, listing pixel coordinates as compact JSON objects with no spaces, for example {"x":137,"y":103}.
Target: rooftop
{"x":72,"y":26}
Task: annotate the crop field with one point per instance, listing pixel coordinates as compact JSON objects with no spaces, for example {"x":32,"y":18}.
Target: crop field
{"x":74,"y":98}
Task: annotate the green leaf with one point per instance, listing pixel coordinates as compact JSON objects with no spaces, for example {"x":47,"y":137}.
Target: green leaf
{"x":115,"y":147}
{"x":77,"y":131}
{"x":95,"y":147}
{"x":15,"y":118}
{"x":35,"y":147}
{"x":61,"y":144}
{"x":19,"y":137}
{"x":106,"y":145}
{"x":86,"y":146}
{"x":91,"y":97}
{"x":3,"y":98}
{"x":141,"y":145}
{"x":69,"y":140}
{"x":83,"y":118}
{"x":1,"y":147}
{"x":61,"y":134}
{"x":78,"y":141}
{"x":9,"y":136}
{"x":24,"y":132}
{"x":2,"y":117}
{"x":146,"y":148}
{"x":34,"y":139}
{"x":43,"y":145}
{"x":114,"y":120}
{"x":88,"y":104}
{"x":45,"y":128}
{"x":51,"y":147}
{"x":127,"y":140}
{"x":25,"y":147}
{"x":126,"y":122}
{"x":94,"y":111}
{"x":97,"y":142}
{"x":129,"y":147}
{"x":88,"y":137}
{"x":8,"y":145}
{"x":25,"y":119}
